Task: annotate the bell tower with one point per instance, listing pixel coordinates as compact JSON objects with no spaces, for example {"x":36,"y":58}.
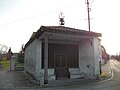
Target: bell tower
{"x":61,"y":19}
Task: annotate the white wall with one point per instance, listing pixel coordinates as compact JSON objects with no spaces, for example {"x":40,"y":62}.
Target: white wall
{"x":38,"y":57}
{"x":86,"y":58}
{"x":89,"y":57}
{"x":30,"y":58}
{"x":97,"y":55}
{"x":33,"y":56}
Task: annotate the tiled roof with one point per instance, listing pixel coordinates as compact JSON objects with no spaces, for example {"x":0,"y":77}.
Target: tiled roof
{"x":68,"y":30}
{"x":62,"y":29}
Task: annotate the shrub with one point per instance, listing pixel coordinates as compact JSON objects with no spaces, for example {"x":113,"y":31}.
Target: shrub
{"x":21,"y":58}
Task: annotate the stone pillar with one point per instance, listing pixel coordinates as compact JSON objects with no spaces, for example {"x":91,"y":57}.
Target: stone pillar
{"x":12,"y":64}
{"x":46,"y":60}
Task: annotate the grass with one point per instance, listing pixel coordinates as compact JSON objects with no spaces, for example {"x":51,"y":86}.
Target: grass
{"x":5,"y":64}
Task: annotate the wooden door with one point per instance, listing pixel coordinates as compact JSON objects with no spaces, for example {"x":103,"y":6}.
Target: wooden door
{"x":61,"y":69}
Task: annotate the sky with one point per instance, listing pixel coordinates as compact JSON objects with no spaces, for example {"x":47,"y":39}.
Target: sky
{"x":20,"y":18}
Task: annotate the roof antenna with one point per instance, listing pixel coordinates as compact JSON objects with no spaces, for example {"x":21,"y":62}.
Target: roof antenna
{"x":61,"y":19}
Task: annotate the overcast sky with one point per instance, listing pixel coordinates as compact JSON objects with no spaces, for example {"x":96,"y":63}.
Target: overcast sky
{"x":19,"y":18}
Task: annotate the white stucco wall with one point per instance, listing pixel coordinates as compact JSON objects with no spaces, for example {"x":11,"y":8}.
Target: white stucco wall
{"x":89,"y":57}
{"x":38,"y":57}
{"x":86,"y":58}
{"x":97,"y":55}
{"x":33,"y":57}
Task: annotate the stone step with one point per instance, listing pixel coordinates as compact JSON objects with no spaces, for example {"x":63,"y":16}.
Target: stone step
{"x":19,"y":68}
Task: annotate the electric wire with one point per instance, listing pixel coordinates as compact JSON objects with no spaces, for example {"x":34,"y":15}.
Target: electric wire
{"x":34,"y":16}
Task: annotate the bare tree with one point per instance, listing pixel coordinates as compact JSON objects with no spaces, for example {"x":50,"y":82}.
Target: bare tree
{"x":3,"y":51}
{"x":3,"y":48}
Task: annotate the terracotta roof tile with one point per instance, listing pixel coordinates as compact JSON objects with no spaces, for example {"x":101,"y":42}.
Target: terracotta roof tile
{"x":62,"y":29}
{"x":68,"y":30}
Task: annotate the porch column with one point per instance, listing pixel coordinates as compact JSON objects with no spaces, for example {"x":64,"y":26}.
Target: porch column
{"x":46,"y":60}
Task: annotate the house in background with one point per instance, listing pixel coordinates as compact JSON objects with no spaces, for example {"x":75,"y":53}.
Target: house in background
{"x":58,"y":52}
{"x":105,"y":56}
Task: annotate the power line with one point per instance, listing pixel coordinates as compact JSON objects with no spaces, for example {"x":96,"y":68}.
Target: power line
{"x":24,"y":19}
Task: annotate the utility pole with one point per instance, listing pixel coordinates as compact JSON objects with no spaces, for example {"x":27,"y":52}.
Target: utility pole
{"x":88,"y":10}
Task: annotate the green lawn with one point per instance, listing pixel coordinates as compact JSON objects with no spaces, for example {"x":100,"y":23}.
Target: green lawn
{"x":5,"y":64}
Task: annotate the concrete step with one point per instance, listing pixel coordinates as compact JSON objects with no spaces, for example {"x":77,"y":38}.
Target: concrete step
{"x":19,"y":68}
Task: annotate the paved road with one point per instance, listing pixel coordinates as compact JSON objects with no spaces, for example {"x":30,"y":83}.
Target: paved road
{"x":112,"y":84}
{"x":10,"y":80}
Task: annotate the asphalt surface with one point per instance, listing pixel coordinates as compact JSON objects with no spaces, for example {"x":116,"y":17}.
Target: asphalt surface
{"x":10,"y":80}
{"x":17,"y":80}
{"x":110,"y":84}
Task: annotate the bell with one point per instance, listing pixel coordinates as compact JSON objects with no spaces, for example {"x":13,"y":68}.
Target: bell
{"x":62,"y":21}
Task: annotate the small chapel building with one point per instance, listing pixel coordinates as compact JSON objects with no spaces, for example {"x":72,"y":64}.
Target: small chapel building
{"x":59,"y":52}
